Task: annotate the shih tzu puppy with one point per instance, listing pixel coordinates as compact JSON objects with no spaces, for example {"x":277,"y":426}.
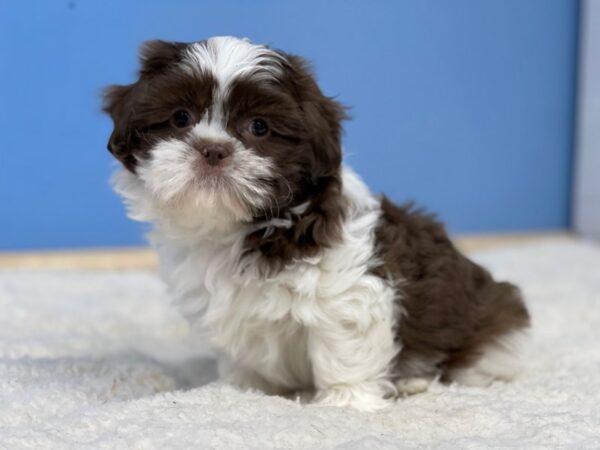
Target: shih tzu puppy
{"x":298,"y":275}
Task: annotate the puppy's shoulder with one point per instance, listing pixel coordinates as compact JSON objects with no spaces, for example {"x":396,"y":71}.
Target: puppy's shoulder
{"x":410,"y":241}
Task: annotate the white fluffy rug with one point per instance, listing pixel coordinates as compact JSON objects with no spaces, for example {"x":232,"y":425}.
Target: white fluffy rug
{"x":100,"y":360}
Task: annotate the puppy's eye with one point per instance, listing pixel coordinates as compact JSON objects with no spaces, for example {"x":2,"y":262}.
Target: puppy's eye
{"x":181,"y":118}
{"x":259,"y":127}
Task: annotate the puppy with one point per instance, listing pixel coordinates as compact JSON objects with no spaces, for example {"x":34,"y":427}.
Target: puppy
{"x":299,"y":276}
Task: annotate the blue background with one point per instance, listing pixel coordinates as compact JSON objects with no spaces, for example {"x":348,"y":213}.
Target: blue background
{"x":466,"y":105}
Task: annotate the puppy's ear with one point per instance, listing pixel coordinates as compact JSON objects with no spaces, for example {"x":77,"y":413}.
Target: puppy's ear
{"x":156,"y":56}
{"x":323,"y":116}
{"x":119,"y":101}
{"x":118,"y":105}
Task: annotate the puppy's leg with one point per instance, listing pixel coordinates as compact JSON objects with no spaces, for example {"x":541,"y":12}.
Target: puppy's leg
{"x":351,"y":364}
{"x":416,"y":371}
{"x":499,"y":359}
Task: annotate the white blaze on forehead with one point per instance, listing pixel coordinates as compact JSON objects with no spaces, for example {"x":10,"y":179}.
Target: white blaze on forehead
{"x":227,"y":58}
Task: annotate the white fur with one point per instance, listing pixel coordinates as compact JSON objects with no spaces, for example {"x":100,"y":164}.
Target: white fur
{"x":499,"y":360}
{"x":411,"y":386}
{"x":170,"y":189}
{"x":228,"y":58}
{"x":323,"y":322}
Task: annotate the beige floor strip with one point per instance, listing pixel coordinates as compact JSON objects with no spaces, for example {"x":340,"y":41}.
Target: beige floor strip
{"x":97,"y":259}
{"x":145,"y":259}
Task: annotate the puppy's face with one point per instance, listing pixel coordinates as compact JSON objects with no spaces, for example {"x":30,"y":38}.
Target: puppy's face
{"x":224,"y":128}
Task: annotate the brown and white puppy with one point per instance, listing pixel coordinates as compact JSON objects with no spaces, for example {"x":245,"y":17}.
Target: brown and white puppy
{"x":296,"y":273}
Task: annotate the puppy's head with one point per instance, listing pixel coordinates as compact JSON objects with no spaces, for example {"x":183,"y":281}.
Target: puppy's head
{"x":224,"y":130}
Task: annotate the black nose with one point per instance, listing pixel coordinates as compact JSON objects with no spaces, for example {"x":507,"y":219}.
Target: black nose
{"x":215,"y":152}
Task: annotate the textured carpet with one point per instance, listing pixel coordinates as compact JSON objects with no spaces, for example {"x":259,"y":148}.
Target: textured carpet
{"x":100,"y":360}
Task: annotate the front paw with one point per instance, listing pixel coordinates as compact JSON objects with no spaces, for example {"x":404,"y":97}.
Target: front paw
{"x":363,"y":397}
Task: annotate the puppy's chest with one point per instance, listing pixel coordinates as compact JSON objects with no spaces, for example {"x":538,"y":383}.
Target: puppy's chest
{"x":268,"y":308}
{"x":265,"y":324}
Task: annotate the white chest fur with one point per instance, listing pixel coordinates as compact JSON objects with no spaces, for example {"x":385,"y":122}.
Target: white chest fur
{"x":321,"y":322}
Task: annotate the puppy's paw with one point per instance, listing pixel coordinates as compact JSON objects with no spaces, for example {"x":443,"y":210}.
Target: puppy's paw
{"x":411,"y":386}
{"x":499,"y":360}
{"x":364,"y":397}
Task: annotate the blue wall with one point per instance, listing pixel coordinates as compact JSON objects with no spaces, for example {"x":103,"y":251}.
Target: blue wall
{"x":464,"y":105}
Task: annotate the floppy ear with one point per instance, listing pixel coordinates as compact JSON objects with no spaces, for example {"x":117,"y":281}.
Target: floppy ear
{"x":118,"y":105}
{"x":323,"y":116}
{"x":155,"y":57}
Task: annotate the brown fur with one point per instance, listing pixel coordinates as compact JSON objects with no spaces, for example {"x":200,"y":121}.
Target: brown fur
{"x":453,"y":306}
{"x":305,"y":146}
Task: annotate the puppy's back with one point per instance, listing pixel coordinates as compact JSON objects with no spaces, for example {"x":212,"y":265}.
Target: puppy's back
{"x":454,"y":312}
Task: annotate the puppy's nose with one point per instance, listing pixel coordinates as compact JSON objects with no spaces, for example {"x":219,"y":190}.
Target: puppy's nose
{"x":215,"y":152}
